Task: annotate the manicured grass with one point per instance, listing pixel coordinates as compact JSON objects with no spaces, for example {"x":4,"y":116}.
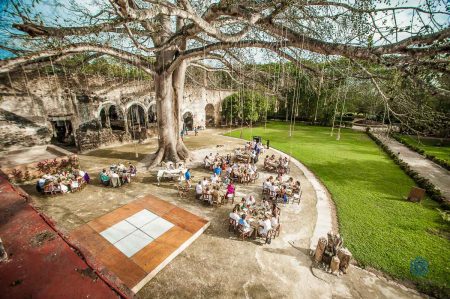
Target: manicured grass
{"x":381,"y":229}
{"x":430,"y":146}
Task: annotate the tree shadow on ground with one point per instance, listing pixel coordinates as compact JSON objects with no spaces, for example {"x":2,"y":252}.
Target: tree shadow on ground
{"x":114,"y":154}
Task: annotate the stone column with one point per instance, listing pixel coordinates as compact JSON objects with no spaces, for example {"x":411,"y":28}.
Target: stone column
{"x":125,"y":121}
{"x":108,"y":121}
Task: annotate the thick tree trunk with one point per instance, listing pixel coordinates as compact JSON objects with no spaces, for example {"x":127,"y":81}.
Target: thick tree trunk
{"x":178,"y":80}
{"x":170,"y":146}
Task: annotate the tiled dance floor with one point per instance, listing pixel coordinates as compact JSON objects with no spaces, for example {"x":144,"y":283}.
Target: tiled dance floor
{"x":139,"y":239}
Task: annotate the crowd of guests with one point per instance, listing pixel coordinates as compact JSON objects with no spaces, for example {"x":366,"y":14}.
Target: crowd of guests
{"x":280,"y":165}
{"x":278,"y":188}
{"x":117,"y":175}
{"x":215,"y":190}
{"x":237,"y":172}
{"x":250,"y":218}
{"x":63,"y":181}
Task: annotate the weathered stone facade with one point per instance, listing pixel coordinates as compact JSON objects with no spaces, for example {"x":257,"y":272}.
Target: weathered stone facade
{"x":90,"y":110}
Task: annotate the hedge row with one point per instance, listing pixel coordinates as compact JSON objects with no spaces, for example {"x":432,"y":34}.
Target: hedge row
{"x":422,"y":182}
{"x":433,"y":158}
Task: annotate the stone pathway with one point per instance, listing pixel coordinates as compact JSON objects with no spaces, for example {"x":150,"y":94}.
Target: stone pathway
{"x":217,"y":264}
{"x":437,"y":175}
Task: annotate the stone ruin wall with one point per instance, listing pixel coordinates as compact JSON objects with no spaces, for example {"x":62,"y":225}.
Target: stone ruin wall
{"x":33,"y":101}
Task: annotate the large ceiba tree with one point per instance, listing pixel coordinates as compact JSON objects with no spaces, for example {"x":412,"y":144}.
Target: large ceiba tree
{"x":163,"y":37}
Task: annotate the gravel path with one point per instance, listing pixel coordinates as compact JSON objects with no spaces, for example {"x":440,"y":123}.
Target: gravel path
{"x":437,"y":175}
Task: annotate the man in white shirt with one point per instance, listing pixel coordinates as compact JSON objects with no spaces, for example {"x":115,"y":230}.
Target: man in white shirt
{"x":198,"y":190}
{"x":205,"y":182}
{"x":265,"y":226}
{"x":214,"y":178}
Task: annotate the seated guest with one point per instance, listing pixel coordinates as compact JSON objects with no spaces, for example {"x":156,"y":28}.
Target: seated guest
{"x":245,"y":226}
{"x":235,"y":215}
{"x":266,"y":205}
{"x":267,"y":184}
{"x":206,"y":193}
{"x":170,"y":166}
{"x":126,"y":177}
{"x":279,"y":177}
{"x":250,"y":201}
{"x":228,"y":159}
{"x":62,"y":187}
{"x":205,"y":182}
{"x":243,"y":205}
{"x":215,"y":195}
{"x":275,"y":210}
{"x":296,"y":188}
{"x":198,"y":190}
{"x":226,"y":180}
{"x":266,"y":161}
{"x":215,"y":178}
{"x":115,"y":180}
{"x":40,"y":185}
{"x":290,"y":183}
{"x":120,"y":166}
{"x":104,"y":178}
{"x":207,"y":162}
{"x":74,"y":185}
{"x":265,"y":226}
{"x":85,"y":176}
{"x":218,"y":170}
{"x":230,"y":190}
{"x":132,"y":169}
{"x":228,"y":170}
{"x":275,"y":222}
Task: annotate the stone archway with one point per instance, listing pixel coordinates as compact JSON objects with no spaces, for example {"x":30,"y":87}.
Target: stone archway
{"x":116,"y":118}
{"x":188,"y":121}
{"x":210,"y":115}
{"x":103,"y":117}
{"x":152,"y":116}
{"x":136,"y":121}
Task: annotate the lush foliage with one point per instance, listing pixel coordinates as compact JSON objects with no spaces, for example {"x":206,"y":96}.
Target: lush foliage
{"x":249,"y":106}
{"x":381,"y":229}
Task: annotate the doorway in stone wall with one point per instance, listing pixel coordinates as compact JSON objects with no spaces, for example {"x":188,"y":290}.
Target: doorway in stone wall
{"x":210,"y":115}
{"x":63,"y":134}
{"x":188,"y":121}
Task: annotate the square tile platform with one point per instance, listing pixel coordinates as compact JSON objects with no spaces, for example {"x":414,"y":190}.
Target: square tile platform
{"x":139,"y":239}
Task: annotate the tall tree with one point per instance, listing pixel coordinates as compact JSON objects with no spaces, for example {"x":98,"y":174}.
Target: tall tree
{"x":164,"y":37}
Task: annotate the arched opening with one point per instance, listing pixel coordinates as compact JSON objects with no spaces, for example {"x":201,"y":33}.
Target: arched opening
{"x":103,"y":120}
{"x":136,"y":121}
{"x":115,"y":118}
{"x":210,"y":115}
{"x":188,"y":121}
{"x":152,"y":117}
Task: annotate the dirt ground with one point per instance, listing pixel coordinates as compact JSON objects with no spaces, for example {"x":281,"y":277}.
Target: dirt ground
{"x":217,"y":264}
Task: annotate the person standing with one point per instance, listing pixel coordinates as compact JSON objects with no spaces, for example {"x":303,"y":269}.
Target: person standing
{"x":187,"y":177}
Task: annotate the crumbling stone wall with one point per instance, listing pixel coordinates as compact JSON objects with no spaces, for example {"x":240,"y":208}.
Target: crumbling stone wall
{"x":94,"y":139}
{"x":36,"y":99}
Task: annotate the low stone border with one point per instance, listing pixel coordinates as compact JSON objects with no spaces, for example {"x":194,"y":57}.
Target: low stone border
{"x":420,"y":151}
{"x":324,"y":222}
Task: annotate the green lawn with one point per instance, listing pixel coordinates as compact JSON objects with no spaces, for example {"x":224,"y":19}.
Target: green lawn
{"x":430,"y":146}
{"x":380,"y":228}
